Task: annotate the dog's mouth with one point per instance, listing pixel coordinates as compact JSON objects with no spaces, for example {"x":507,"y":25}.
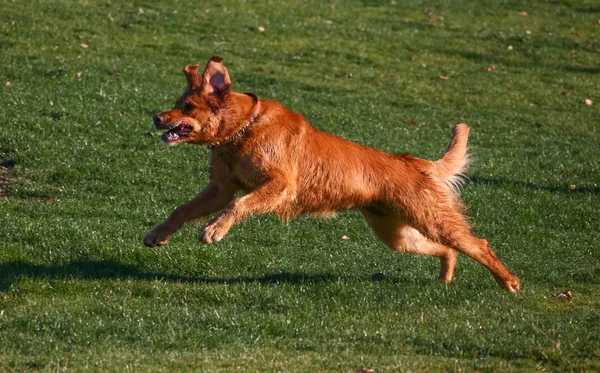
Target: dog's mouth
{"x":177,"y":132}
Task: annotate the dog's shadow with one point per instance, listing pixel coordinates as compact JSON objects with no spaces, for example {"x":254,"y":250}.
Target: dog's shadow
{"x":86,"y":269}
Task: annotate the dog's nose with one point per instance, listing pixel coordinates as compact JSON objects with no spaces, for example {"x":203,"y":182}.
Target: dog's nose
{"x":158,"y":119}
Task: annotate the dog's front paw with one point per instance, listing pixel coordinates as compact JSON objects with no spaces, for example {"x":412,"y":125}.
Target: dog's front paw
{"x":213,"y":232}
{"x":157,"y":237}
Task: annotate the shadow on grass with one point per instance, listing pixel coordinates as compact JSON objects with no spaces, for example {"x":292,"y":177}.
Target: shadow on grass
{"x":108,"y":269}
{"x":499,"y":182}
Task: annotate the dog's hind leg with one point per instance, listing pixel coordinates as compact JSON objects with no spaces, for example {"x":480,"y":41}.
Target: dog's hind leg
{"x":479,"y":249}
{"x":446,"y":225}
{"x":397,"y":234}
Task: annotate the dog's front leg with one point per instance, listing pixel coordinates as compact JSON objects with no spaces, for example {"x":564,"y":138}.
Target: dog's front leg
{"x":268,"y":198}
{"x":213,"y":198}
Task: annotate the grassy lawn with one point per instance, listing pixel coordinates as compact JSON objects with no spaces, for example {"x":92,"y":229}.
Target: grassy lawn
{"x":82,"y":178}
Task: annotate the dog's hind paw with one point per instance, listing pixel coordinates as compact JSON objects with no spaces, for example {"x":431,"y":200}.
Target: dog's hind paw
{"x":510,"y":283}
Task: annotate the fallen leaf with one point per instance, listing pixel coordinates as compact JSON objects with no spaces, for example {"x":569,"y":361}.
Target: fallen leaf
{"x":411,"y":122}
{"x":79,"y":57}
{"x":98,"y":123}
{"x":510,"y":47}
{"x":528,"y":32}
{"x":328,"y":22}
{"x":365,"y":370}
{"x":150,"y":134}
{"x":260,"y":69}
{"x":532,"y":105}
{"x":573,"y":53}
{"x":572,"y":186}
{"x":393,"y":2}
{"x":491,"y":68}
{"x":122,"y":113}
{"x":83,"y":45}
{"x":9,"y":84}
{"x":79,"y":74}
{"x":141,"y":10}
{"x":112,"y":198}
{"x":296,"y":57}
{"x":589,"y":102}
{"x":261,"y":29}
{"x":441,"y":77}
{"x":207,"y":11}
{"x":564,"y":295}
{"x":524,"y":14}
{"x":345,"y":238}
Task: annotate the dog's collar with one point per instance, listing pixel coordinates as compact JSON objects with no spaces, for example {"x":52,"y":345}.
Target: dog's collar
{"x":239,"y":133}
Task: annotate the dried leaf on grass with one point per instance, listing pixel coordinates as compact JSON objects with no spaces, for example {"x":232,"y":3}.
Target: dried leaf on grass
{"x":365,"y":370}
{"x":564,"y":295}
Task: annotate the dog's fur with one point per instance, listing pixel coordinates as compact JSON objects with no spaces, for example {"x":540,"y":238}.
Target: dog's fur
{"x":287,"y":168}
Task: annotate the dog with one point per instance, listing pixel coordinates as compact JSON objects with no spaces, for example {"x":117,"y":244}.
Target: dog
{"x":287,"y":167}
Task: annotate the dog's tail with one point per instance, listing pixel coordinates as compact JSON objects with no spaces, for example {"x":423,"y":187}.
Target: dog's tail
{"x":451,"y":168}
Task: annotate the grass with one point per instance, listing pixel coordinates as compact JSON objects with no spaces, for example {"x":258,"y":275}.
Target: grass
{"x":82,"y":180}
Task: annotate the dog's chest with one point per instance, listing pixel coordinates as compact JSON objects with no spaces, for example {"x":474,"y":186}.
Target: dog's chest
{"x":247,"y":174}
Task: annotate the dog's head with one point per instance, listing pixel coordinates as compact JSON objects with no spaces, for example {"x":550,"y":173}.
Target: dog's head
{"x":196,"y":116}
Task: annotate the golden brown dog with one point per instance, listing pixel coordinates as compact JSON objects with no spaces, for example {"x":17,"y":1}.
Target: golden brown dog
{"x":287,"y":168}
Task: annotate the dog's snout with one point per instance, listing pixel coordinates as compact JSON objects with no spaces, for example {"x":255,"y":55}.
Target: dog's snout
{"x":158,"y":119}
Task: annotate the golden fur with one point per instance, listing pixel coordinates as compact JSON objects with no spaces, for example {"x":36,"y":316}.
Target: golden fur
{"x":287,"y":167}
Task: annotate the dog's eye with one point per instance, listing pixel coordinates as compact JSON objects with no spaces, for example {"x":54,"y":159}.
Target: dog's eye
{"x":188,"y":107}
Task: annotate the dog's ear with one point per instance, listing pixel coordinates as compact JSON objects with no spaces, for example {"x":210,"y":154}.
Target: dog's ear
{"x":215,"y":78}
{"x":191,"y":74}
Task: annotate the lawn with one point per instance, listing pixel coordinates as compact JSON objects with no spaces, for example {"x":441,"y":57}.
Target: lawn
{"x":83,"y":176}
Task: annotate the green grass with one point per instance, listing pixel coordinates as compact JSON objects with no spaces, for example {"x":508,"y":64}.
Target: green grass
{"x":83,"y":181}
